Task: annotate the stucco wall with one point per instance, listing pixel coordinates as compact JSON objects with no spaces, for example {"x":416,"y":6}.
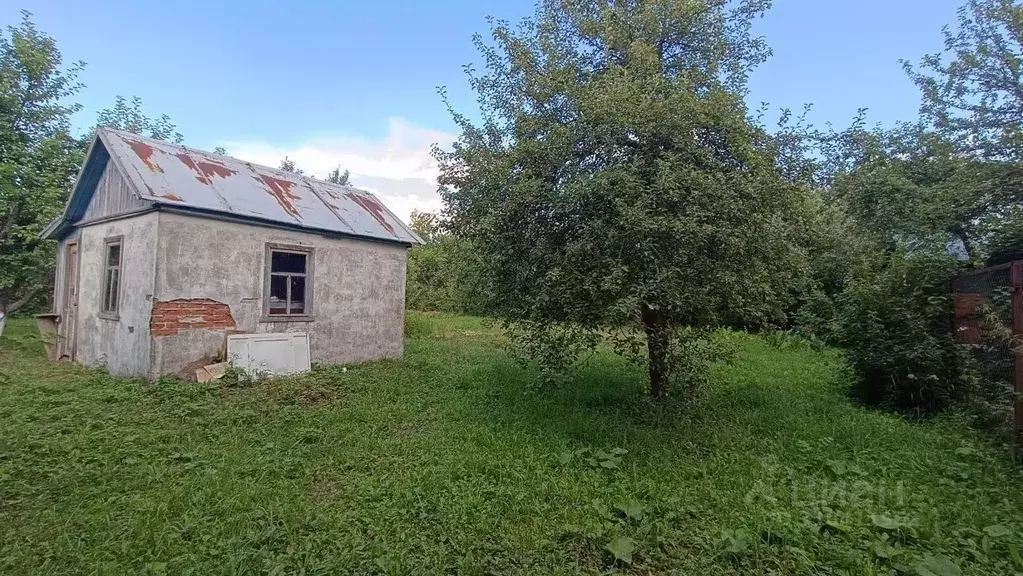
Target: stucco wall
{"x":122,"y":345}
{"x":358,"y":300}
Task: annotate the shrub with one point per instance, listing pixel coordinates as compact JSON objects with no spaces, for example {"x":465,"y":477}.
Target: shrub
{"x":896,"y":321}
{"x":816,"y":318}
{"x":443,"y":276}
{"x":988,"y":386}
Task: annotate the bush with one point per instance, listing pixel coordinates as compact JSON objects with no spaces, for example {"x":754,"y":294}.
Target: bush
{"x":816,"y":318}
{"x":444,"y":276}
{"x":896,"y":316}
{"x":988,"y":383}
{"x":834,"y":248}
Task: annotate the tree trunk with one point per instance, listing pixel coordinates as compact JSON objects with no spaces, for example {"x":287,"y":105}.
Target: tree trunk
{"x":19,"y":303}
{"x":657,"y":349}
{"x":960,"y":233}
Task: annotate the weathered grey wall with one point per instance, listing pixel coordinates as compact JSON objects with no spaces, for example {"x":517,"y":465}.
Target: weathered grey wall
{"x":358,"y":290}
{"x":123,"y":345}
{"x":113,"y":196}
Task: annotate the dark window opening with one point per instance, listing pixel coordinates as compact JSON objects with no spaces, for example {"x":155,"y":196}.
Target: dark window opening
{"x":111,"y":276}
{"x":288,"y":289}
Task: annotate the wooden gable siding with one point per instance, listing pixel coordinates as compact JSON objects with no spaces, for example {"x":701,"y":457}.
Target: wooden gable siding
{"x":113,"y":196}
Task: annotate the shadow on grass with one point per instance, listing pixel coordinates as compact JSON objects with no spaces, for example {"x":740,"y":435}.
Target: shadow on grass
{"x":764,"y":394}
{"x":600,"y":401}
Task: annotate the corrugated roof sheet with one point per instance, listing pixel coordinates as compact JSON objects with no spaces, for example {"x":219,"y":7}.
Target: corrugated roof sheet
{"x":173,"y":175}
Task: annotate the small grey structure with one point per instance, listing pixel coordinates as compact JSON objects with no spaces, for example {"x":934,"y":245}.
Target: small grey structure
{"x":163,"y":249}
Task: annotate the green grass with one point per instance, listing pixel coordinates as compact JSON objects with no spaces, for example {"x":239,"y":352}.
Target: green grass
{"x":452,"y":461}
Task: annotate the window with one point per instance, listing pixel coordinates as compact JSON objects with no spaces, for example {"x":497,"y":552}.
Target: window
{"x":112,"y":253}
{"x":288,"y":292}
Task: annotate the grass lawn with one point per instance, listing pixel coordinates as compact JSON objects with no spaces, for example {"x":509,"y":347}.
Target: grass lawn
{"x":451,"y":462}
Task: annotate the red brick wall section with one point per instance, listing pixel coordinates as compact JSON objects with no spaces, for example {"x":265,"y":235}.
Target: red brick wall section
{"x":968,"y":307}
{"x":172,"y":316}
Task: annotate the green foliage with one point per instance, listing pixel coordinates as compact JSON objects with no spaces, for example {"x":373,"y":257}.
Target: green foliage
{"x":621,"y":548}
{"x":919,"y":190}
{"x":131,"y":117}
{"x":896,"y":317}
{"x":444,"y":273}
{"x":988,"y":387}
{"x":449,"y":461}
{"x":616,"y":183}
{"x":691,"y":354}
{"x":937,"y":566}
{"x":553,"y":347}
{"x":417,"y":326}
{"x":816,"y":316}
{"x":1007,"y":245}
{"x":973,"y":90}
{"x":336,"y":176}
{"x":288,"y":165}
{"x":947,"y":184}
{"x":426,"y":224}
{"x":38,"y":156}
{"x":835,"y":246}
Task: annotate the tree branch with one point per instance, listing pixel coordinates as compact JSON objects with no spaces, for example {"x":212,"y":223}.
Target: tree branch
{"x":21,"y":302}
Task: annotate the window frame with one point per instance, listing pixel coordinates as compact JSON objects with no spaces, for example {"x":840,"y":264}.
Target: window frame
{"x":115,"y":312}
{"x":309,"y":253}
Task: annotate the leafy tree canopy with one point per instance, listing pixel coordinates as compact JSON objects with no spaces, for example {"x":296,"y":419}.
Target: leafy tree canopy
{"x":973,"y":90}
{"x":336,"y":176}
{"x":426,"y":224}
{"x":38,"y":155}
{"x":131,"y":117}
{"x":921,"y":191}
{"x":615,"y":182}
{"x":288,"y":165}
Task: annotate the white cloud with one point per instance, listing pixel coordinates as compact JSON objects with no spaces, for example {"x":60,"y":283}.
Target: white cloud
{"x":398,"y":168}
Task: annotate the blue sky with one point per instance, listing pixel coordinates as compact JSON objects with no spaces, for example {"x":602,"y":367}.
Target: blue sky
{"x":354,"y":83}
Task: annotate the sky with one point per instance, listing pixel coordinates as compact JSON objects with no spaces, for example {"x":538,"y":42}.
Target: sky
{"x":354,"y":84}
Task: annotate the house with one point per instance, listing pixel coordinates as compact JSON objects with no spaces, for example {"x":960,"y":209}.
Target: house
{"x":164,"y":249}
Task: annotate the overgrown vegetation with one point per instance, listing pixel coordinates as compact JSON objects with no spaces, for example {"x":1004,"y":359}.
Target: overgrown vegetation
{"x":616,"y":204}
{"x":616,"y":184}
{"x":450,"y":461}
{"x":577,"y":234}
{"x":898,"y":330}
{"x":444,"y":274}
{"x":928,"y":200}
{"x":40,"y":154}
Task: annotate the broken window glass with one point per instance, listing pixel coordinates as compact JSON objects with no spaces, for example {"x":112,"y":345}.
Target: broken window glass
{"x":288,"y":283}
{"x":297,"y":301}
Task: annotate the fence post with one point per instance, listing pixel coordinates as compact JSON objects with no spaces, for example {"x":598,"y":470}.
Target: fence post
{"x":1016,"y":278}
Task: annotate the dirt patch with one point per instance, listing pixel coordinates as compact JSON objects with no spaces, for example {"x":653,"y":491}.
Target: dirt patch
{"x":324,"y":489}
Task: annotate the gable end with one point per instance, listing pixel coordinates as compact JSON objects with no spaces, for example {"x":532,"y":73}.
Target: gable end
{"x":113,"y":196}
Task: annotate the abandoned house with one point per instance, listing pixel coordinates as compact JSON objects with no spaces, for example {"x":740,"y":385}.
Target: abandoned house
{"x":164,"y":249}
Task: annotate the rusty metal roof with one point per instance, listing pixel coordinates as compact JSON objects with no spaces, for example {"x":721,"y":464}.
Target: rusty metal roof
{"x":176,"y":176}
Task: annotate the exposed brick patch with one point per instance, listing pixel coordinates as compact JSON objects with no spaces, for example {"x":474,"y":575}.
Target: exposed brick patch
{"x":172,"y":316}
{"x":968,"y":308}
